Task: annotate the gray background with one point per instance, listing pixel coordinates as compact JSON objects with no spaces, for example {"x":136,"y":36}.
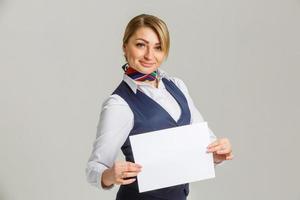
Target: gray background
{"x":60,"y":59}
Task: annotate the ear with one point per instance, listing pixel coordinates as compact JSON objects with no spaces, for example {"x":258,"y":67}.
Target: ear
{"x":124,"y":48}
{"x":124,"y":51}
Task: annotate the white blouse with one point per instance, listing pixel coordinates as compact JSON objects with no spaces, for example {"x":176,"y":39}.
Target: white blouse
{"x":117,"y":120}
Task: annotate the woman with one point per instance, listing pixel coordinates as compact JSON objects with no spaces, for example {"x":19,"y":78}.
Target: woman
{"x":146,"y":100}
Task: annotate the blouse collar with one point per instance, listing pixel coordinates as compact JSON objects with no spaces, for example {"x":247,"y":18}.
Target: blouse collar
{"x":134,"y":85}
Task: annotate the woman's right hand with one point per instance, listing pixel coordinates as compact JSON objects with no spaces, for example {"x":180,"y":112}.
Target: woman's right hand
{"x":120,"y":173}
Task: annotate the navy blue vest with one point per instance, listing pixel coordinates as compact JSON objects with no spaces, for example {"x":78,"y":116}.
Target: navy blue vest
{"x":150,"y":116}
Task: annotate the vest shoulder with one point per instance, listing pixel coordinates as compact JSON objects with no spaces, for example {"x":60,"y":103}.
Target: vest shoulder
{"x":179,"y":83}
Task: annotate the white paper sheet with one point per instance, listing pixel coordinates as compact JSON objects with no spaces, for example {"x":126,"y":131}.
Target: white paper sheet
{"x":173,"y":156}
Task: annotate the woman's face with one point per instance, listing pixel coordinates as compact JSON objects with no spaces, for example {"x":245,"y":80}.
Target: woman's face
{"x":143,"y":51}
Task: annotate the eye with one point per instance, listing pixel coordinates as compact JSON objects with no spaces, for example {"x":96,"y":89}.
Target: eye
{"x":158,"y":48}
{"x":140,"y":45}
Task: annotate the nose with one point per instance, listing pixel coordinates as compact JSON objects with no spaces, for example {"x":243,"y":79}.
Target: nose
{"x":149,"y":54}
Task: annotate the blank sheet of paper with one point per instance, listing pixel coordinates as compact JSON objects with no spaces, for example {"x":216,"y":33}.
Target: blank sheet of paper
{"x":173,"y":156}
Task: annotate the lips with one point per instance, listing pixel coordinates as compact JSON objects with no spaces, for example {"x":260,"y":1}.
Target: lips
{"x":145,"y":64}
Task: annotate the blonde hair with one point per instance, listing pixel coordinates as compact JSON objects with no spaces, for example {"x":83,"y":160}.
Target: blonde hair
{"x":156,"y":24}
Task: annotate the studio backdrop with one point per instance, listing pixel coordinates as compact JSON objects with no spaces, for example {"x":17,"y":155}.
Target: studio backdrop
{"x":60,"y":59}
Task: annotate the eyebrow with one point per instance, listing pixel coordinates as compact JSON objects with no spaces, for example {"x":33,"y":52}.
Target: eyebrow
{"x":147,"y":41}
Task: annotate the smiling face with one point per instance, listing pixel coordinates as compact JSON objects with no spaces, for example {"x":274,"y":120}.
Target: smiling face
{"x":143,"y":51}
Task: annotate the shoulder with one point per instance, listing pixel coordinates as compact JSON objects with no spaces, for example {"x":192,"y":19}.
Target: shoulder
{"x":176,"y":80}
{"x":179,"y":83}
{"x":112,"y":101}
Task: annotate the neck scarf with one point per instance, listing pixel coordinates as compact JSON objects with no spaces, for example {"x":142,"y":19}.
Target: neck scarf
{"x":138,"y":76}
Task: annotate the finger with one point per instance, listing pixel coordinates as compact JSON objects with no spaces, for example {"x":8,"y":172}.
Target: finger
{"x":229,"y":157}
{"x":216,"y":148}
{"x":138,"y":165}
{"x":133,"y":167}
{"x":128,"y":181}
{"x":129,"y":174}
{"x":122,"y":176}
{"x":221,"y":152}
{"x":134,"y":164}
{"x":120,"y":181}
{"x":215,"y":143}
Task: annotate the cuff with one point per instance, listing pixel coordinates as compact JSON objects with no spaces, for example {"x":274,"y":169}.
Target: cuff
{"x":94,"y":175}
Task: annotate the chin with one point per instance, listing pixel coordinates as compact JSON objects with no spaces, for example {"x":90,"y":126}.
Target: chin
{"x":146,"y":70}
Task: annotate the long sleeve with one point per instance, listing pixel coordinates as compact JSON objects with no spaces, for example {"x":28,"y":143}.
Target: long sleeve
{"x":115,"y":123}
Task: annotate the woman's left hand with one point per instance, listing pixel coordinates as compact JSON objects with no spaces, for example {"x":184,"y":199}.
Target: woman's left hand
{"x":221,"y":149}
